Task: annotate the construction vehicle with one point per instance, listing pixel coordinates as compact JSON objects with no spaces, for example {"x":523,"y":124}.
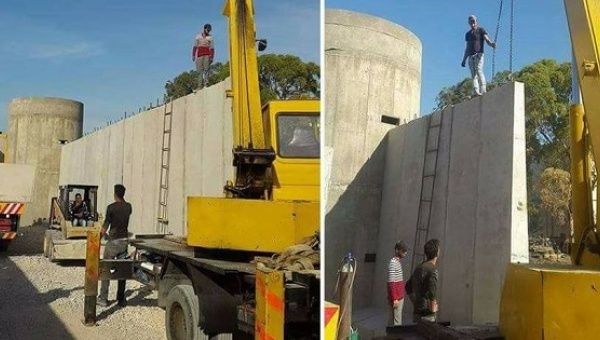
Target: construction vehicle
{"x":16,"y":187}
{"x":63,"y":240}
{"x":209,"y":282}
{"x":560,"y":302}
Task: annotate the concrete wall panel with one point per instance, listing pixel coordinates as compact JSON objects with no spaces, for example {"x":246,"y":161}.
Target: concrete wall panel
{"x":129,"y":152}
{"x":477,"y":206}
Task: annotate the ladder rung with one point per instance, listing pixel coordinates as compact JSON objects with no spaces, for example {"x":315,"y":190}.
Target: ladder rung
{"x":433,"y":126}
{"x":167,"y":113}
{"x":162,"y":220}
{"x":427,"y":201}
{"x":164,"y":166}
{"x":165,"y":149}
{"x":167,"y":131}
{"x":164,"y":187}
{"x":432,"y":150}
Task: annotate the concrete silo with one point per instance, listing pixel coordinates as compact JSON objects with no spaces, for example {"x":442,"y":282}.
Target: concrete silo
{"x":37,"y":128}
{"x":372,"y":83}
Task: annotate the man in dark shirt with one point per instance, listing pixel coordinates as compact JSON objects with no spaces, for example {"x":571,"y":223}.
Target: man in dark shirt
{"x":424,"y":284}
{"x":79,"y":212}
{"x":117,"y":217}
{"x":475,"y":38}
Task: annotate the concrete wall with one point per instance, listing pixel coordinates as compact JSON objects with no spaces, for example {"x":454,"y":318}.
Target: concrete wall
{"x":129,"y":152}
{"x":381,"y":75}
{"x":478,"y":201}
{"x":36,"y":127}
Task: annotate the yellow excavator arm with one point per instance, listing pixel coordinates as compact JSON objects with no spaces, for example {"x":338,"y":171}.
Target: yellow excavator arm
{"x":248,"y":128}
{"x":584,"y":25}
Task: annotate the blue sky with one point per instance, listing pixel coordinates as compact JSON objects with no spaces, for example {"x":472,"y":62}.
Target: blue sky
{"x":116,"y":56}
{"x":540,"y":31}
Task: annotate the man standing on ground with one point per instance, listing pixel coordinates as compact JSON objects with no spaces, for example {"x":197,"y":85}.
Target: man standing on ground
{"x":396,"y":283}
{"x":203,"y":54}
{"x":475,"y":38}
{"x":424,"y":284}
{"x":117,"y":217}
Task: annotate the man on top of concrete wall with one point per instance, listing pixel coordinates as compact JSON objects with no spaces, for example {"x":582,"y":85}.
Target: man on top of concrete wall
{"x":203,"y":54}
{"x":475,"y":38}
{"x":396,"y":283}
{"x":423,"y":284}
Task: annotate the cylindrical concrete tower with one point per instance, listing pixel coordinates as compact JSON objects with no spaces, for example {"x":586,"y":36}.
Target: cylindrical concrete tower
{"x":372,"y":83}
{"x":37,"y":128}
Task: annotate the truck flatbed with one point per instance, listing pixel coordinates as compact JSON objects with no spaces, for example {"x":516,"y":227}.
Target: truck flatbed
{"x":184,"y":253}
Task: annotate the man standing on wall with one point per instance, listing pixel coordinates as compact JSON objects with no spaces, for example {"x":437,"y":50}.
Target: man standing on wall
{"x":117,"y":218}
{"x":424,"y":284}
{"x":475,"y":38}
{"x":396,"y":283}
{"x":203,"y":54}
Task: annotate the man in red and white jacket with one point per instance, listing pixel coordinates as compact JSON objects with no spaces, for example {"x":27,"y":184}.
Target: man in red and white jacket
{"x":396,"y":283}
{"x":203,"y":54}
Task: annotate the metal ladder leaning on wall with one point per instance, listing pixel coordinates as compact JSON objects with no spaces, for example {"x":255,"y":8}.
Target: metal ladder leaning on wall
{"x":426,"y":198}
{"x":163,"y":190}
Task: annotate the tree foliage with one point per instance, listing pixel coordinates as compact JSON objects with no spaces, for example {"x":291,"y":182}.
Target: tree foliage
{"x":547,"y":90}
{"x":280,"y":77}
{"x":554,"y":189}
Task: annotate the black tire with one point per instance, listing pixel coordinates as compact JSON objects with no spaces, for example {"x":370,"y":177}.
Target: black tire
{"x":181,"y":315}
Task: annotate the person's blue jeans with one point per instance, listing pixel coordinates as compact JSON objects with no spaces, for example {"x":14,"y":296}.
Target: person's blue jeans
{"x":476,"y":67}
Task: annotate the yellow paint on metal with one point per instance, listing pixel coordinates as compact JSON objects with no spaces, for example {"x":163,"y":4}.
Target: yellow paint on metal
{"x":332,"y":315}
{"x":250,"y":225}
{"x":584,"y":26}
{"x":247,"y":123}
{"x":580,"y":186}
{"x":270,"y":305}
{"x":550,"y":302}
{"x":294,"y":178}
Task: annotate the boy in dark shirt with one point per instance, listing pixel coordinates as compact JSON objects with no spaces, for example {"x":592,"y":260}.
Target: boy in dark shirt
{"x":475,"y":38}
{"x":117,"y":217}
{"x":424,"y":284}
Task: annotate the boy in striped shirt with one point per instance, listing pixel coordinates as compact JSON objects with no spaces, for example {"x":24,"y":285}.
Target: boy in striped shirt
{"x":396,"y":283}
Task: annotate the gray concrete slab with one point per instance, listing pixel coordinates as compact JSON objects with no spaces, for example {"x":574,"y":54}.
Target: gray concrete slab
{"x":477,"y":206}
{"x":129,"y":152}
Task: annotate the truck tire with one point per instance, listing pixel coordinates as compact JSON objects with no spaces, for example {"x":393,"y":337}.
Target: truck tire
{"x":181,"y":315}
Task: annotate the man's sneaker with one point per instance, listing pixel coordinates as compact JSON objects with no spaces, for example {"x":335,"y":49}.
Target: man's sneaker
{"x":102,"y":302}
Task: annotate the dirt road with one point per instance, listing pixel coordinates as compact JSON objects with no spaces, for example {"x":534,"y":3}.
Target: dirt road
{"x":44,"y":300}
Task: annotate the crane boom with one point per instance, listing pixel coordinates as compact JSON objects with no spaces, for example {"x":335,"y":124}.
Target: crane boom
{"x":584,"y":26}
{"x":247,"y":118}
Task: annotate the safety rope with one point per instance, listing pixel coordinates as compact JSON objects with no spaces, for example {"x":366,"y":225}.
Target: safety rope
{"x":496,"y":39}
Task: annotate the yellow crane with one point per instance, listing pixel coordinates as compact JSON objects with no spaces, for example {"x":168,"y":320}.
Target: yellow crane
{"x":561,"y":302}
{"x":210,"y":286}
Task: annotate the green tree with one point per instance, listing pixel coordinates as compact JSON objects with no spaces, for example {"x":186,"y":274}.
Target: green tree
{"x":280,"y":77}
{"x":555,"y":195}
{"x":547,"y":90}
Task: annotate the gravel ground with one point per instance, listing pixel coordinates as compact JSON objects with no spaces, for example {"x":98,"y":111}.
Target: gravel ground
{"x":44,"y":300}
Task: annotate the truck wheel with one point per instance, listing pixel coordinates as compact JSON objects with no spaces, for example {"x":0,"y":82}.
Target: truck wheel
{"x":181,"y":316}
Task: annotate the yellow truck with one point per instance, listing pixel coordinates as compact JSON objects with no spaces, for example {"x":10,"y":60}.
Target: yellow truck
{"x":209,"y":283}
{"x":16,"y":187}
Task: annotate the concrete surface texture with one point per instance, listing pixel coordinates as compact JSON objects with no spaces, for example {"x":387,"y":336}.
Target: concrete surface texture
{"x":36,"y":127}
{"x":129,"y":152}
{"x":16,"y":181}
{"x":373,"y":69}
{"x":469,"y":162}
